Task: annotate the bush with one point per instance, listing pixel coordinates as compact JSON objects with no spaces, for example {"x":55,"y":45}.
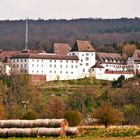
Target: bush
{"x":73,"y":117}
{"x":29,"y":116}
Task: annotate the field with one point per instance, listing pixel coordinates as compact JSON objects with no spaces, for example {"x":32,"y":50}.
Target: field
{"x":77,"y":138}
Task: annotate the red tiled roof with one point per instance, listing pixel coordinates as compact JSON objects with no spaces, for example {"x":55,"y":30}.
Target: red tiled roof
{"x":45,"y":56}
{"x":118,"y":72}
{"x":5,"y":54}
{"x":61,"y":48}
{"x":82,"y":46}
{"x":113,"y":56}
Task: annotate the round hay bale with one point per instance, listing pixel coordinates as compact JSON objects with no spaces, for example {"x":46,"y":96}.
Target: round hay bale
{"x":55,"y":123}
{"x":38,"y":123}
{"x":58,"y":132}
{"x":12,"y":132}
{"x":34,"y":132}
{"x":26,"y":132}
{"x":73,"y":131}
{"x":51,"y":132}
{"x":18,"y":132}
{"x":3,"y":133}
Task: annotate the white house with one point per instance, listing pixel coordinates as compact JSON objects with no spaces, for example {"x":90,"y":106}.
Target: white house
{"x":100,"y":73}
{"x":87,"y":57}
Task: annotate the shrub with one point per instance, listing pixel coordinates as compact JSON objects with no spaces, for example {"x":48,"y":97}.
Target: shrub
{"x":73,"y":117}
{"x":29,"y":116}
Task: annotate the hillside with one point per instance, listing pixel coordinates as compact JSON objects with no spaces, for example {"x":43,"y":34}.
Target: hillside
{"x":42,"y":33}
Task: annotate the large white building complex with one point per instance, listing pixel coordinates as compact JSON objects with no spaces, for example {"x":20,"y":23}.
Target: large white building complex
{"x":66,"y":63}
{"x":62,"y":64}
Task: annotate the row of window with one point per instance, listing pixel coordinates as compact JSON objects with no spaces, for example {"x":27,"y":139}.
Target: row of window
{"x":17,"y":65}
{"x":61,"y":66}
{"x":38,"y":60}
{"x":19,"y":60}
{"x":62,"y":72}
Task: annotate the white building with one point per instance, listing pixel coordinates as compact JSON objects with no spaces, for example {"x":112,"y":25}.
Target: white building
{"x":100,"y":73}
{"x":57,"y":66}
{"x":87,"y":57}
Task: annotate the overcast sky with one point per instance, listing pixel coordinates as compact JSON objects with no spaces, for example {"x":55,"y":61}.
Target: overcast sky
{"x":60,"y":9}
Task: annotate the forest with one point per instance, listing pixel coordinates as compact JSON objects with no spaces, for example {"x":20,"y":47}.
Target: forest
{"x":43,"y":33}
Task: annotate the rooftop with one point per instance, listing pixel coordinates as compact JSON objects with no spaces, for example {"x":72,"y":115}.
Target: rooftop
{"x":44,"y":56}
{"x":61,"y":48}
{"x":82,"y":46}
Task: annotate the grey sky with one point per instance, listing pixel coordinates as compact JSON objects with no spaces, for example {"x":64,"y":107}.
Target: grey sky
{"x":49,"y":9}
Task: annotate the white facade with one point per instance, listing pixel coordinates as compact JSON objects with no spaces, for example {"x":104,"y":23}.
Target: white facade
{"x":102,"y":74}
{"x":53,"y":69}
{"x":86,"y":61}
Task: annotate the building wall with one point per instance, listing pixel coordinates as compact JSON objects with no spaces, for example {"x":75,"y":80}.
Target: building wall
{"x":86,"y":61}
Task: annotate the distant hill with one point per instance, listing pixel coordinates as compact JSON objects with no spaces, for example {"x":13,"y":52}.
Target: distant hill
{"x":43,"y":33}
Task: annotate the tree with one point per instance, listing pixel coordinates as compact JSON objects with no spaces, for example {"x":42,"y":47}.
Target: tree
{"x":107,"y":114}
{"x":73,"y":117}
{"x":54,"y":108}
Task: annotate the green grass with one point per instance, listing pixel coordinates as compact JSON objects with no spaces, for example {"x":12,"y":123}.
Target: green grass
{"x":76,"y":138}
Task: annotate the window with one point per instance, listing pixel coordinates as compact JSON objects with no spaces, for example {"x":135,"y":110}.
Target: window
{"x":61,"y":61}
{"x":60,"y":66}
{"x":73,"y":53}
{"x":87,"y":64}
{"x":13,"y":60}
{"x":33,"y":60}
{"x":87,"y":54}
{"x":37,"y":60}
{"x":76,"y":66}
{"x":60,"y":71}
{"x":50,"y":65}
{"x":17,"y":60}
{"x":21,"y":65}
{"x":83,"y":70}
{"x":54,"y":60}
{"x":25,"y":60}
{"x":87,"y":58}
{"x":32,"y":71}
{"x":66,"y":66}
{"x":72,"y":66}
{"x":72,"y":61}
{"x":37,"y":65}
{"x":32,"y":65}
{"x":50,"y":60}
{"x":17,"y":65}
{"x":72,"y":72}
{"x":42,"y":60}
{"x":67,"y":61}
{"x":21,"y":60}
{"x":55,"y":65}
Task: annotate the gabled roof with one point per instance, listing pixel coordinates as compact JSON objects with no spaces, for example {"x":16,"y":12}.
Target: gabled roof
{"x":136,"y":55}
{"x":82,"y":46}
{"x":4,"y":54}
{"x":61,"y":48}
{"x":44,"y":56}
{"x":110,"y":56}
{"x":97,"y":65}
